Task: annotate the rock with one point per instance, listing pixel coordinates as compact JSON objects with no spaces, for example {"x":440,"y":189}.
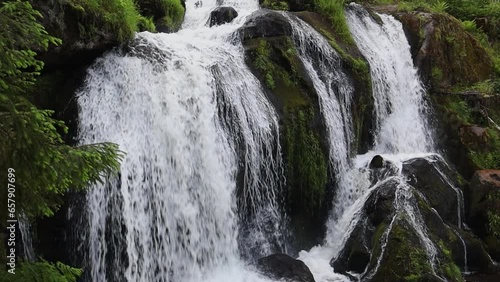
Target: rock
{"x":377,"y":162}
{"x":78,"y":48}
{"x":265,"y":23}
{"x":483,"y":208}
{"x":222,"y":15}
{"x":167,"y":19}
{"x":284,"y":268}
{"x":431,"y":177}
{"x":473,"y":135}
{"x":444,"y":61}
{"x":430,"y":192}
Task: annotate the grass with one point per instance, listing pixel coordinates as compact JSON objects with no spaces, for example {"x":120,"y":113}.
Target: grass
{"x":334,"y":10}
{"x":118,"y":17}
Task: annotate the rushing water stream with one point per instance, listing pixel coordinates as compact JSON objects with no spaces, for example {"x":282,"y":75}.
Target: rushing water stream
{"x":174,"y":105}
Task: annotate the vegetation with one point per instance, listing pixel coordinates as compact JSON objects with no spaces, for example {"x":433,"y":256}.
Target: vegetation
{"x":275,"y":5}
{"x":334,"y":10}
{"x":44,"y":271}
{"x":31,"y":144}
{"x":117,"y":17}
{"x":307,"y":165}
{"x":163,"y":12}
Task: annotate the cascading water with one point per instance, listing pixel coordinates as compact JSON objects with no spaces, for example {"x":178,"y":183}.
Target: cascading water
{"x":187,"y":112}
{"x":402,"y":132}
{"x":333,"y":86}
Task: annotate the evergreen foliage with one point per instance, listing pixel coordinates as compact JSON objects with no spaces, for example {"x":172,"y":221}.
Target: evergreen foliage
{"x":31,"y":143}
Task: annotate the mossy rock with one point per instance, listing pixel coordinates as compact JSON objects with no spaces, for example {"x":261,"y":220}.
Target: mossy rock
{"x":404,"y":257}
{"x":288,"y":5}
{"x":167,"y":15}
{"x":445,"y":54}
{"x":274,"y":61}
{"x":87,"y":28}
{"x":464,"y":129}
{"x":483,"y":206}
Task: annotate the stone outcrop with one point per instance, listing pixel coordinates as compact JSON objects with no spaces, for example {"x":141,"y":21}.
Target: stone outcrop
{"x":284,"y":268}
{"x":483,"y":208}
{"x":443,"y":51}
{"x":426,"y":198}
{"x":222,"y":15}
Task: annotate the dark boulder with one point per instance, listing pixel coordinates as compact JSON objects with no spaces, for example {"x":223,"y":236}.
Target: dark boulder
{"x":265,"y":23}
{"x":222,"y":15}
{"x":284,"y":268}
{"x":433,"y":178}
{"x":377,"y":162}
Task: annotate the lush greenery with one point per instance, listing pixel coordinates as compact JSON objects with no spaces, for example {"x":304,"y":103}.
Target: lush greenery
{"x":32,"y":152}
{"x":307,"y":165}
{"x":43,"y":271}
{"x":275,"y":5}
{"x":163,"y":12}
{"x":334,"y":10}
{"x":120,"y":19}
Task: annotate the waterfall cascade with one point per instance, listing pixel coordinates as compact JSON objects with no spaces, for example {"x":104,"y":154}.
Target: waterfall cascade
{"x":402,"y":134}
{"x":174,"y":105}
{"x":195,"y":124}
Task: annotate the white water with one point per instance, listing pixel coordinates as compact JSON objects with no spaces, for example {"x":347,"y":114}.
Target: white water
{"x":187,"y":112}
{"x":333,"y":86}
{"x":402,"y":133}
{"x":398,"y":92}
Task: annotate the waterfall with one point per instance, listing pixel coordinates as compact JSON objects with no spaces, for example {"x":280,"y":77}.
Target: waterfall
{"x":333,"y":86}
{"x":402,"y":132}
{"x":397,"y":90}
{"x":188,"y":113}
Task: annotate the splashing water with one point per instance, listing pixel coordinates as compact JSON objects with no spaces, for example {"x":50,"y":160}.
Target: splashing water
{"x":187,"y":112}
{"x":402,"y":133}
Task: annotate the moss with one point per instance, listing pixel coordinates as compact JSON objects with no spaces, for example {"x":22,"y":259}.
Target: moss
{"x":334,"y":10}
{"x":276,"y":60}
{"x":169,"y":13}
{"x":146,"y":24}
{"x":275,"y":5}
{"x":487,"y":156}
{"x":448,"y":268}
{"x":306,"y":162}
{"x":119,"y":18}
{"x":404,"y":258}
{"x":305,"y":159}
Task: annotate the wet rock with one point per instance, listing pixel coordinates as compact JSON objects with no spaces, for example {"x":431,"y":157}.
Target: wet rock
{"x":265,"y":23}
{"x":284,"y":268}
{"x":431,"y":177}
{"x":377,"y":162}
{"x":222,"y":15}
{"x":424,"y":199}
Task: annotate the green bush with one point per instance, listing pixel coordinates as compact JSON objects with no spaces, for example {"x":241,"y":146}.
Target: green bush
{"x":167,"y":12}
{"x":334,"y":10}
{"x":118,"y":17}
{"x":42,"y":271}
